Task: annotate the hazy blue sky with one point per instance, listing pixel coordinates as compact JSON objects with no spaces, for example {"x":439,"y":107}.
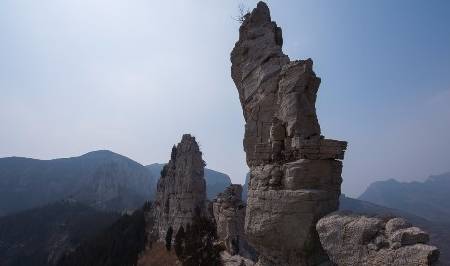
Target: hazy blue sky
{"x":133,"y":76}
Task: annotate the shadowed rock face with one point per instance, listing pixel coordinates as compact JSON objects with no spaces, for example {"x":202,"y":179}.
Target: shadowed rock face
{"x":181,"y":189}
{"x":229,"y":214}
{"x":295,"y":174}
{"x":351,"y":239}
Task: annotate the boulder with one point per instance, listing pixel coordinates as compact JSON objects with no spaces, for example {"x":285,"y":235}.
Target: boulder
{"x":351,"y":239}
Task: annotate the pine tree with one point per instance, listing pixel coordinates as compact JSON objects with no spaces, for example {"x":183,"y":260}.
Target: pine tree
{"x":199,"y":247}
{"x":179,"y":244}
{"x":169,"y":238}
{"x":235,"y":245}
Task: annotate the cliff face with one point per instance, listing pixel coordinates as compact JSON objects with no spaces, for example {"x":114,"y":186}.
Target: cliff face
{"x":295,"y":174}
{"x":181,"y":189}
{"x":216,"y":182}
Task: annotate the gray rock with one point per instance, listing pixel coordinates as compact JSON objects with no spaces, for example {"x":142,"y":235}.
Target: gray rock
{"x":229,"y":214}
{"x":409,"y":236}
{"x":235,"y":260}
{"x":181,"y":189}
{"x":395,"y":224}
{"x":295,"y":174}
{"x":216,"y":182}
{"x":351,"y":239}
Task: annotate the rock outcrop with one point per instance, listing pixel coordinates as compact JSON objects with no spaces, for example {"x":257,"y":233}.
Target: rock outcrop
{"x":235,"y":260}
{"x":229,"y":214}
{"x":351,"y":239}
{"x":181,"y":189}
{"x":216,"y":182}
{"x":295,"y":173}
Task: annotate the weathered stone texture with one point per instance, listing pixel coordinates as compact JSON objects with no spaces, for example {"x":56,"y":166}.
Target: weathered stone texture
{"x":235,"y":260}
{"x":229,"y":214}
{"x":181,"y":189}
{"x":352,"y":240}
{"x":295,"y":174}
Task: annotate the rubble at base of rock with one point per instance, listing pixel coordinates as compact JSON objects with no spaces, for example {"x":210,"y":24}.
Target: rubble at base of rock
{"x":351,"y":239}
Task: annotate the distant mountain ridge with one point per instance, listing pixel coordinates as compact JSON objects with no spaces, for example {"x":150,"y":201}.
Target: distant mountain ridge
{"x":439,"y":230}
{"x":102,"y":179}
{"x":426,"y":204}
{"x":429,"y":199}
{"x":216,"y":182}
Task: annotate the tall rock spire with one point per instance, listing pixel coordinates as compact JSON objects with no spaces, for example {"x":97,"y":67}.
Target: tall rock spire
{"x":295,"y":173}
{"x":181,"y":189}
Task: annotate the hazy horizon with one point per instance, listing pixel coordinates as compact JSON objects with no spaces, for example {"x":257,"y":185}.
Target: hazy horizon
{"x":132,"y":77}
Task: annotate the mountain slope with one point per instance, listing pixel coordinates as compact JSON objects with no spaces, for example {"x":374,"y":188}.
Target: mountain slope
{"x":216,"y":182}
{"x":40,"y":236}
{"x":118,"y":245}
{"x":132,"y":241}
{"x":102,"y":179}
{"x":365,"y":207}
{"x":429,"y":199}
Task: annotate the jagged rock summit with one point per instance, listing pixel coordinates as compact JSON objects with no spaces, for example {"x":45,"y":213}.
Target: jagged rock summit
{"x":181,"y":189}
{"x":295,"y":173}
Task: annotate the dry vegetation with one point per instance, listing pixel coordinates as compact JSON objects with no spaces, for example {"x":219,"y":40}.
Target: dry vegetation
{"x":158,"y":255}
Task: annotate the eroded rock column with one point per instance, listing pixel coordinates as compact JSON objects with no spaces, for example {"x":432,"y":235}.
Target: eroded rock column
{"x":295,"y":173}
{"x":181,"y":189}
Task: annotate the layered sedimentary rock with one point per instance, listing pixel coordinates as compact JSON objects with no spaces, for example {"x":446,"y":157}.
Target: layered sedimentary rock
{"x":229,"y":214}
{"x":181,"y":189}
{"x":351,"y":239}
{"x":295,"y":173}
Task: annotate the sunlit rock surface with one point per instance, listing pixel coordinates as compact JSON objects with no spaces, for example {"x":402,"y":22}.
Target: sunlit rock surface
{"x":181,"y":189}
{"x":229,"y":215}
{"x":352,"y":239}
{"x":295,"y":173}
